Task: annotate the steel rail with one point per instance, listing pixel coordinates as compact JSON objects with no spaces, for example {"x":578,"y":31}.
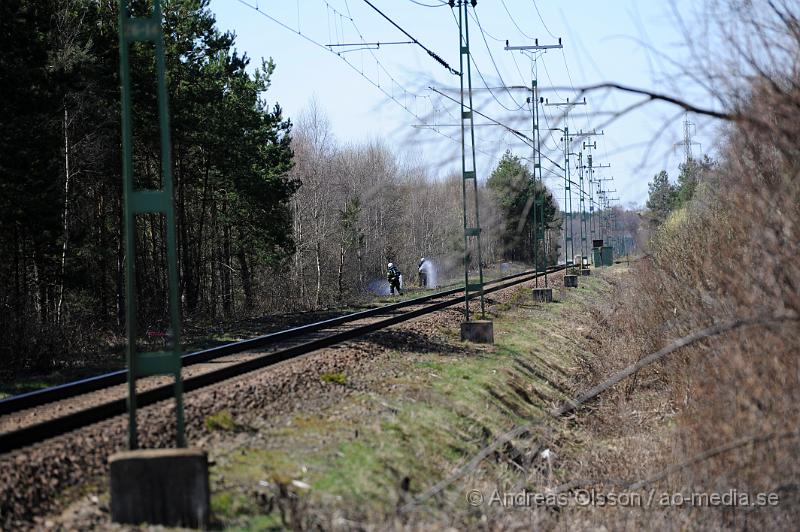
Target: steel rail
{"x":52,"y":394}
{"x":51,"y":428}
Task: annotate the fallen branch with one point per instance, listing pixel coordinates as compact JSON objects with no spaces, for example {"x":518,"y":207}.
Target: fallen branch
{"x":735,"y":444}
{"x":702,"y":334}
{"x":574,"y":404}
{"x":628,"y":485}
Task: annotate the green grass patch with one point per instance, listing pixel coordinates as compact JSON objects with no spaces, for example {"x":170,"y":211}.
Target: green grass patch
{"x":28,"y":385}
{"x":426,"y":417}
{"x":334,"y":378}
{"x":222,"y":420}
{"x":229,"y":504}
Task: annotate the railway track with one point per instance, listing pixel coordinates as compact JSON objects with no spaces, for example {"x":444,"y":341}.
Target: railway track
{"x":104,"y":396}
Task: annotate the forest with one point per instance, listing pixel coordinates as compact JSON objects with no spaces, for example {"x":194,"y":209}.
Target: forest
{"x":273,"y":213}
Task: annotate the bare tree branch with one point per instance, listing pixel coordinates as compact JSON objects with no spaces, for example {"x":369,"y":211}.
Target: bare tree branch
{"x":590,"y":394}
{"x":708,"y":332}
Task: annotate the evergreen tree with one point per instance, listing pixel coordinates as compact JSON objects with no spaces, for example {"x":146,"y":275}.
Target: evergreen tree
{"x":60,"y":166}
{"x":691,"y":172}
{"x":662,"y":197}
{"x":514,"y":191}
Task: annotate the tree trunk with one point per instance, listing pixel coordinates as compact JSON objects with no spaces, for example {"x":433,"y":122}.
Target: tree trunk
{"x":341,"y":269}
{"x":298,"y":256}
{"x":227,"y":292}
{"x":318,"y":253}
{"x":360,"y":270}
{"x":188,"y":277}
{"x":18,"y":307}
{"x":199,"y":277}
{"x":247,"y":281}
{"x":65,"y":216}
{"x":41,"y":287}
{"x":214,"y":266}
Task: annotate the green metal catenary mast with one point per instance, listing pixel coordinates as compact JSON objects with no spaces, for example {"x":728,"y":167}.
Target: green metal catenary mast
{"x":582,"y":206}
{"x":587,"y":229}
{"x":139,"y":201}
{"x":472,"y":227}
{"x":569,"y":246}
{"x":539,"y":189}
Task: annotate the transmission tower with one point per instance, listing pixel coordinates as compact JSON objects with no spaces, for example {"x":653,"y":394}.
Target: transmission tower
{"x":687,"y":143}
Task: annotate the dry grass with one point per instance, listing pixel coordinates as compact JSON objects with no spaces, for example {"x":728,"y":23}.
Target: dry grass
{"x":727,"y":407}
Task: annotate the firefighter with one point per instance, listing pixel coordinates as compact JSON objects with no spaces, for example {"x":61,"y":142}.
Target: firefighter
{"x":393,"y":276}
{"x":422,"y":268}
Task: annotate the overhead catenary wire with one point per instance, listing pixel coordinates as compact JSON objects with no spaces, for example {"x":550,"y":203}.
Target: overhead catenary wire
{"x":363,"y":46}
{"x":405,"y":98}
{"x":480,"y":74}
{"x":442,"y":4}
{"x":516,"y":132}
{"x":572,"y":84}
{"x":381,"y":67}
{"x":542,"y":20}
{"x":494,"y":63}
{"x":351,"y":65}
{"x":503,"y":2}
{"x":484,"y":34}
{"x":430,"y":52}
{"x":522,"y":136}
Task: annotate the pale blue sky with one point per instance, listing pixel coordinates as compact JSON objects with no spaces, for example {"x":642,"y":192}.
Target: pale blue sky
{"x":603,"y":41}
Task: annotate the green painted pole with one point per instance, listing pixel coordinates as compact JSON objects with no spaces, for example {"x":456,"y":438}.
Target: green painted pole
{"x":158,"y":201}
{"x":130,"y":223}
{"x":567,"y":200}
{"x":582,"y":202}
{"x":468,"y":169}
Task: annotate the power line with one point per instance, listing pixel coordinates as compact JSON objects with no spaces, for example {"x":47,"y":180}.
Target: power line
{"x":428,"y":50}
{"x":521,"y":76}
{"x":516,"y":132}
{"x":351,"y":65}
{"x":377,"y":61}
{"x":377,"y":84}
{"x":366,"y":45}
{"x":542,"y":20}
{"x":514,"y":21}
{"x":572,"y":84}
{"x":522,"y":136}
{"x":547,"y":72}
{"x":502,"y":82}
{"x":480,"y":74}
{"x":427,"y":5}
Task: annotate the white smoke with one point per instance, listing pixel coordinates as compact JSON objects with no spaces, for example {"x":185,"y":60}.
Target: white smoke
{"x":379,"y":287}
{"x":431,"y":272}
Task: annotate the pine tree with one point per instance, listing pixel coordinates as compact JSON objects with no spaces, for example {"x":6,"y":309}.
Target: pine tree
{"x":691,"y":173}
{"x":661,"y":199}
{"x":513,"y":187}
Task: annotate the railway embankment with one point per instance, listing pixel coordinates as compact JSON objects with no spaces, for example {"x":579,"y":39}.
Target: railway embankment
{"x":405,"y":427}
{"x":411,"y":428}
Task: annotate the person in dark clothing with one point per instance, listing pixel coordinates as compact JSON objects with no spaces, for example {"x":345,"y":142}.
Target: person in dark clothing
{"x":393,"y":276}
